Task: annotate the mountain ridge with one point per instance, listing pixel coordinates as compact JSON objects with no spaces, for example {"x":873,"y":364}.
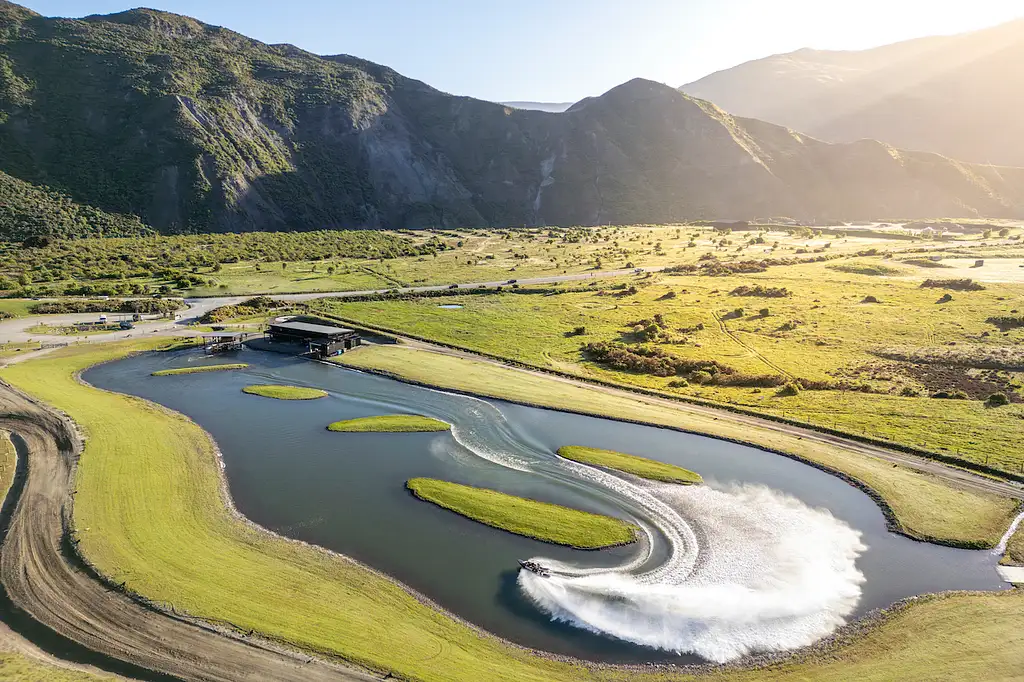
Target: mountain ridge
{"x":955,"y":95}
{"x":196,"y":128}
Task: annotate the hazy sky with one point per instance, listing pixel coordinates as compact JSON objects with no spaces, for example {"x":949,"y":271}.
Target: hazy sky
{"x":563,"y":50}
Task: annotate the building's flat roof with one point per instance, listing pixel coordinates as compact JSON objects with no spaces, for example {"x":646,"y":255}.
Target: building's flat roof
{"x":311,"y":328}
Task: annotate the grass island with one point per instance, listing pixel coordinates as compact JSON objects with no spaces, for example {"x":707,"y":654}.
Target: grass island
{"x":390,"y":423}
{"x":199,"y":370}
{"x":285,"y":392}
{"x":631,"y":464}
{"x":538,"y":520}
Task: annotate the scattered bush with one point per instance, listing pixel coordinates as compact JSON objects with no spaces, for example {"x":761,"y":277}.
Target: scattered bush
{"x":254,"y":306}
{"x":761,"y":291}
{"x":678,"y":383}
{"x":954,"y":284}
{"x":789,"y":390}
{"x":578,"y":331}
{"x":946,"y":298}
{"x":1006,"y":322}
{"x":997,"y":400}
{"x":869,"y":299}
{"x":950,"y":395}
{"x":764,"y":312}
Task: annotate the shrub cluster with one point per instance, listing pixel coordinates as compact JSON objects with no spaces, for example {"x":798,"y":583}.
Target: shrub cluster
{"x":145,"y":306}
{"x":954,"y":284}
{"x":659,"y":363}
{"x":761,"y":291}
{"x":1007,"y":322}
{"x":253,"y":306}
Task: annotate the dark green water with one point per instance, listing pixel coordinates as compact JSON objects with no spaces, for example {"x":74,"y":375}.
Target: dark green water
{"x":346,"y":492}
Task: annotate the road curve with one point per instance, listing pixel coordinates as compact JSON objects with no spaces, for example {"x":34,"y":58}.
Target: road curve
{"x":42,"y":577}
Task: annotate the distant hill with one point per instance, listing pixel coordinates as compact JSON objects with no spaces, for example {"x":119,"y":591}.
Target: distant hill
{"x":550,"y":107}
{"x":195,"y":128}
{"x":961,"y":95}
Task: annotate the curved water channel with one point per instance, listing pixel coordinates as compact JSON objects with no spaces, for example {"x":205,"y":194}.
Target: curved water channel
{"x":785,"y":570}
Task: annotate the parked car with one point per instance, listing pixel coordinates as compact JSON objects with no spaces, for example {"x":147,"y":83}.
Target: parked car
{"x":454,"y":286}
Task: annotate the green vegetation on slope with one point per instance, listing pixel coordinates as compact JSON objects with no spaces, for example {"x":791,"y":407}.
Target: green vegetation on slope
{"x":197,"y":370}
{"x":391,"y":423}
{"x":149,"y":512}
{"x":631,"y":464}
{"x":530,"y":518}
{"x":32,"y":211}
{"x":923,"y":506}
{"x":285,"y":392}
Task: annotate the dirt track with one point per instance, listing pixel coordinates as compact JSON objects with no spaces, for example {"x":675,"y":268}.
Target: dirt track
{"x":42,"y":577}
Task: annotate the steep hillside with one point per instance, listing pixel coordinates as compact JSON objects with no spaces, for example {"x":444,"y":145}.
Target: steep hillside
{"x":956,"y":95}
{"x":27,"y":210}
{"x":195,"y":128}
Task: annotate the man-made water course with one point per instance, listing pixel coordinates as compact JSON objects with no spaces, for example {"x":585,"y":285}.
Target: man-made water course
{"x":766,"y":554}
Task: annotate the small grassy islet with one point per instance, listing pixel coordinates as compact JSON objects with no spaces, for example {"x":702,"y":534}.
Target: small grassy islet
{"x":198,"y":370}
{"x":539,"y":520}
{"x":390,"y":423}
{"x":285,"y":392}
{"x":631,"y":464}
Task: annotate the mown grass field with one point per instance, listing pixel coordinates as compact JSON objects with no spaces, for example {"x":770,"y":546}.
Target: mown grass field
{"x":390,"y":423}
{"x":19,"y":668}
{"x":197,"y":370}
{"x":822,"y":331}
{"x":278,"y":392}
{"x":530,"y":518}
{"x":8,"y":464}
{"x":631,"y":464}
{"x":149,"y":512}
{"x":924,"y":505}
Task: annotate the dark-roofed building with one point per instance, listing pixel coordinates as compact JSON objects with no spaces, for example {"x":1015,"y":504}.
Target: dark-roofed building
{"x":322,"y":339}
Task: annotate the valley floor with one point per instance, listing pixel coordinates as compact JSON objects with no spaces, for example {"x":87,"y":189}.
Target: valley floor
{"x":150,"y":514}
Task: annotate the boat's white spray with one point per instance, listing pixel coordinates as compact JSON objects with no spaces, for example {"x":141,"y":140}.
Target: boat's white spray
{"x":1001,"y":547}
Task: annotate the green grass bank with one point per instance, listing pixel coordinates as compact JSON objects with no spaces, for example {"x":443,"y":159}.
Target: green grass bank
{"x":285,"y":392}
{"x":631,"y":464}
{"x":199,"y":370}
{"x":390,"y":423}
{"x":530,"y":518}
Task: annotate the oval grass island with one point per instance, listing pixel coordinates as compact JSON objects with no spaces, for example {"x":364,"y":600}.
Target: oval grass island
{"x":285,"y":392}
{"x":631,"y":464}
{"x":390,"y":423}
{"x":198,"y":370}
{"x":538,"y":520}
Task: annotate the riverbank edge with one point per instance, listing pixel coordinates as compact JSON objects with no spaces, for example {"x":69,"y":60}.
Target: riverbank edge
{"x":633,"y":529}
{"x":892,"y":521}
{"x":844,"y":635}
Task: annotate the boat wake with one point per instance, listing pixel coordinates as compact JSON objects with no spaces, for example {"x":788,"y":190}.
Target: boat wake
{"x":770,"y":574}
{"x":719,"y":572}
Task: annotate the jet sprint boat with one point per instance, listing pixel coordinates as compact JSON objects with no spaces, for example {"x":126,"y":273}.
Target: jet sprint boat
{"x":534,"y":567}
